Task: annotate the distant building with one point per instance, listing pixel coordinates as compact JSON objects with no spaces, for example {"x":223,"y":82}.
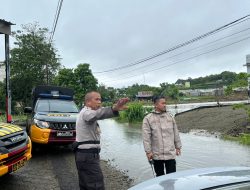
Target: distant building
{"x":248,"y":63}
{"x":194,"y":92}
{"x":144,"y":95}
{"x":179,"y":84}
{"x":187,"y":84}
{"x":203,"y":92}
{"x":219,"y":92}
{"x":240,"y":89}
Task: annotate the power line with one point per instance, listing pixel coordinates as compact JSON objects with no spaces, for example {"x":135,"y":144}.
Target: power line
{"x":181,"y":53}
{"x":180,"y":45}
{"x":58,"y":10}
{"x":210,"y":51}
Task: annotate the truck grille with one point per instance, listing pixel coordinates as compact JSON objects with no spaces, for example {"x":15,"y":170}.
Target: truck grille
{"x":13,"y":156}
{"x":12,"y":142}
{"x":62,"y":126}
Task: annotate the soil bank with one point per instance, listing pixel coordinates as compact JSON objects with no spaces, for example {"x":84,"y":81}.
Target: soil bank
{"x":115,"y":179}
{"x":223,"y":120}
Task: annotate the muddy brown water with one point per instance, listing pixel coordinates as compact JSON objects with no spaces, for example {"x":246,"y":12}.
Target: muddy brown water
{"x":122,"y":146}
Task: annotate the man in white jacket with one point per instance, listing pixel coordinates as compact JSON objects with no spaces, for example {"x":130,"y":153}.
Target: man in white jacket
{"x":161,"y":138}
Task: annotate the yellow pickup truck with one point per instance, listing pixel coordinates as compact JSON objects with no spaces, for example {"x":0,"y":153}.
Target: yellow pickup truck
{"x":15,"y":148}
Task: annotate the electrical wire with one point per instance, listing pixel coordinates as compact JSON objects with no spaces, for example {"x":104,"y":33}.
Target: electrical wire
{"x":184,"y":52}
{"x":226,"y":26}
{"x":207,"y":52}
{"x":58,"y":10}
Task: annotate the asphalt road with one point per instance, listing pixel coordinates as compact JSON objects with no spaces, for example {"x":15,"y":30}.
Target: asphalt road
{"x":51,"y":167}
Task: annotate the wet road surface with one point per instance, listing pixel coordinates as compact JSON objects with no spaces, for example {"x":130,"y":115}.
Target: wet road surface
{"x":51,"y":167}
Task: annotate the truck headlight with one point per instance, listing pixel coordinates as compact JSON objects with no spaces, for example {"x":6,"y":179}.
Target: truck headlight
{"x":41,"y":124}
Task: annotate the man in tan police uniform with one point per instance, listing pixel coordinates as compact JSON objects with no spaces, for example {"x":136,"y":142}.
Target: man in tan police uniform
{"x":88,"y":138}
{"x":161,"y":138}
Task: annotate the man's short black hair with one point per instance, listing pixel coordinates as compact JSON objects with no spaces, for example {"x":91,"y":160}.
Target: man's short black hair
{"x":157,"y":98}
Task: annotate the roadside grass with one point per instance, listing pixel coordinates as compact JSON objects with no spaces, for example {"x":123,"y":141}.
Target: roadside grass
{"x":15,"y":118}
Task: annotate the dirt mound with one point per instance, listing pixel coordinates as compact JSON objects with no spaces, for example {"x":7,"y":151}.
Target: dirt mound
{"x":224,"y":120}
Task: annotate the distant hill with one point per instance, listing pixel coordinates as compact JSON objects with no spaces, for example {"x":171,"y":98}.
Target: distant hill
{"x":212,"y":81}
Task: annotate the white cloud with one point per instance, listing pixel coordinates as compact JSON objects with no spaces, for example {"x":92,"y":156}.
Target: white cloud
{"x":109,"y":34}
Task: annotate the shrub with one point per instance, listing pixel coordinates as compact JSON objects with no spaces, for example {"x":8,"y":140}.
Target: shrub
{"x":135,"y":112}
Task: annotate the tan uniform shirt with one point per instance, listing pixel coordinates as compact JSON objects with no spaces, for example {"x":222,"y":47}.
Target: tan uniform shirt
{"x":160,"y":135}
{"x":87,"y":128}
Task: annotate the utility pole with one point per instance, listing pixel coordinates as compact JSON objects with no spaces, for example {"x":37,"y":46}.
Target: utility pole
{"x":5,"y":28}
{"x":248,"y":73}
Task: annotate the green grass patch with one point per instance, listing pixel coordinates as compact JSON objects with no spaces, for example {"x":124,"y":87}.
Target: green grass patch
{"x":14,"y":118}
{"x":242,"y":138}
{"x":135,"y":113}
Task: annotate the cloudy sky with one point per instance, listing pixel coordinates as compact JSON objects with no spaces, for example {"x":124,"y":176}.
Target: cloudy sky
{"x":113,"y":34}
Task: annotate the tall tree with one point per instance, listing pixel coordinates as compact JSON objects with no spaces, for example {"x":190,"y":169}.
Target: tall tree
{"x":65,"y":78}
{"x":33,"y":61}
{"x":108,"y":93}
{"x":170,"y":90}
{"x":85,"y":81}
{"x":104,"y":92}
{"x":80,"y":79}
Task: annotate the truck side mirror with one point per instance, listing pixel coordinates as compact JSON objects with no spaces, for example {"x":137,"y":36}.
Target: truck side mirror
{"x":27,"y":110}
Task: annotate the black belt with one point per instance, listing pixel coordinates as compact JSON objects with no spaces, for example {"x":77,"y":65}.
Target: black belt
{"x":76,"y":144}
{"x":89,"y":142}
{"x":90,"y":150}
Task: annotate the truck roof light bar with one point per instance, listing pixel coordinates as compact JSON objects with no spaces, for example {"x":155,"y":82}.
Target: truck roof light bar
{"x":64,"y":97}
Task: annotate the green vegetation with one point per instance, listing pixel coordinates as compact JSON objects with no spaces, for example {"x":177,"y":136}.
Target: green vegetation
{"x":108,"y":94}
{"x":226,"y":78}
{"x":106,"y":104}
{"x":170,"y":90}
{"x":80,"y":79}
{"x":15,"y":118}
{"x":134,"y":113}
{"x":242,"y":138}
{"x":33,"y":61}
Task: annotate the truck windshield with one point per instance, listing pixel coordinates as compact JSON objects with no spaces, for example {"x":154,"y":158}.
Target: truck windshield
{"x":54,"y":105}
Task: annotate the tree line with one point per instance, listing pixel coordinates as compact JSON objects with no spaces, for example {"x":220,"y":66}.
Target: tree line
{"x":225,"y":78}
{"x":34,"y":60}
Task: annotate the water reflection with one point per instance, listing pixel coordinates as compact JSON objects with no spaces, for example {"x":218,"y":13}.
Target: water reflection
{"x":122,"y":143}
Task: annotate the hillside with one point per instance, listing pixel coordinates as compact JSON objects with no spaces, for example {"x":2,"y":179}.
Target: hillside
{"x":216,"y":80}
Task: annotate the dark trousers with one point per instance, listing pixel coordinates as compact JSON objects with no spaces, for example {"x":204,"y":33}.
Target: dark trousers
{"x":89,"y":171}
{"x":169,"y":165}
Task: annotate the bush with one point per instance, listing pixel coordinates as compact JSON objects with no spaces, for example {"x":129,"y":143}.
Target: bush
{"x":245,"y":139}
{"x":105,"y":104}
{"x":134,"y":113}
